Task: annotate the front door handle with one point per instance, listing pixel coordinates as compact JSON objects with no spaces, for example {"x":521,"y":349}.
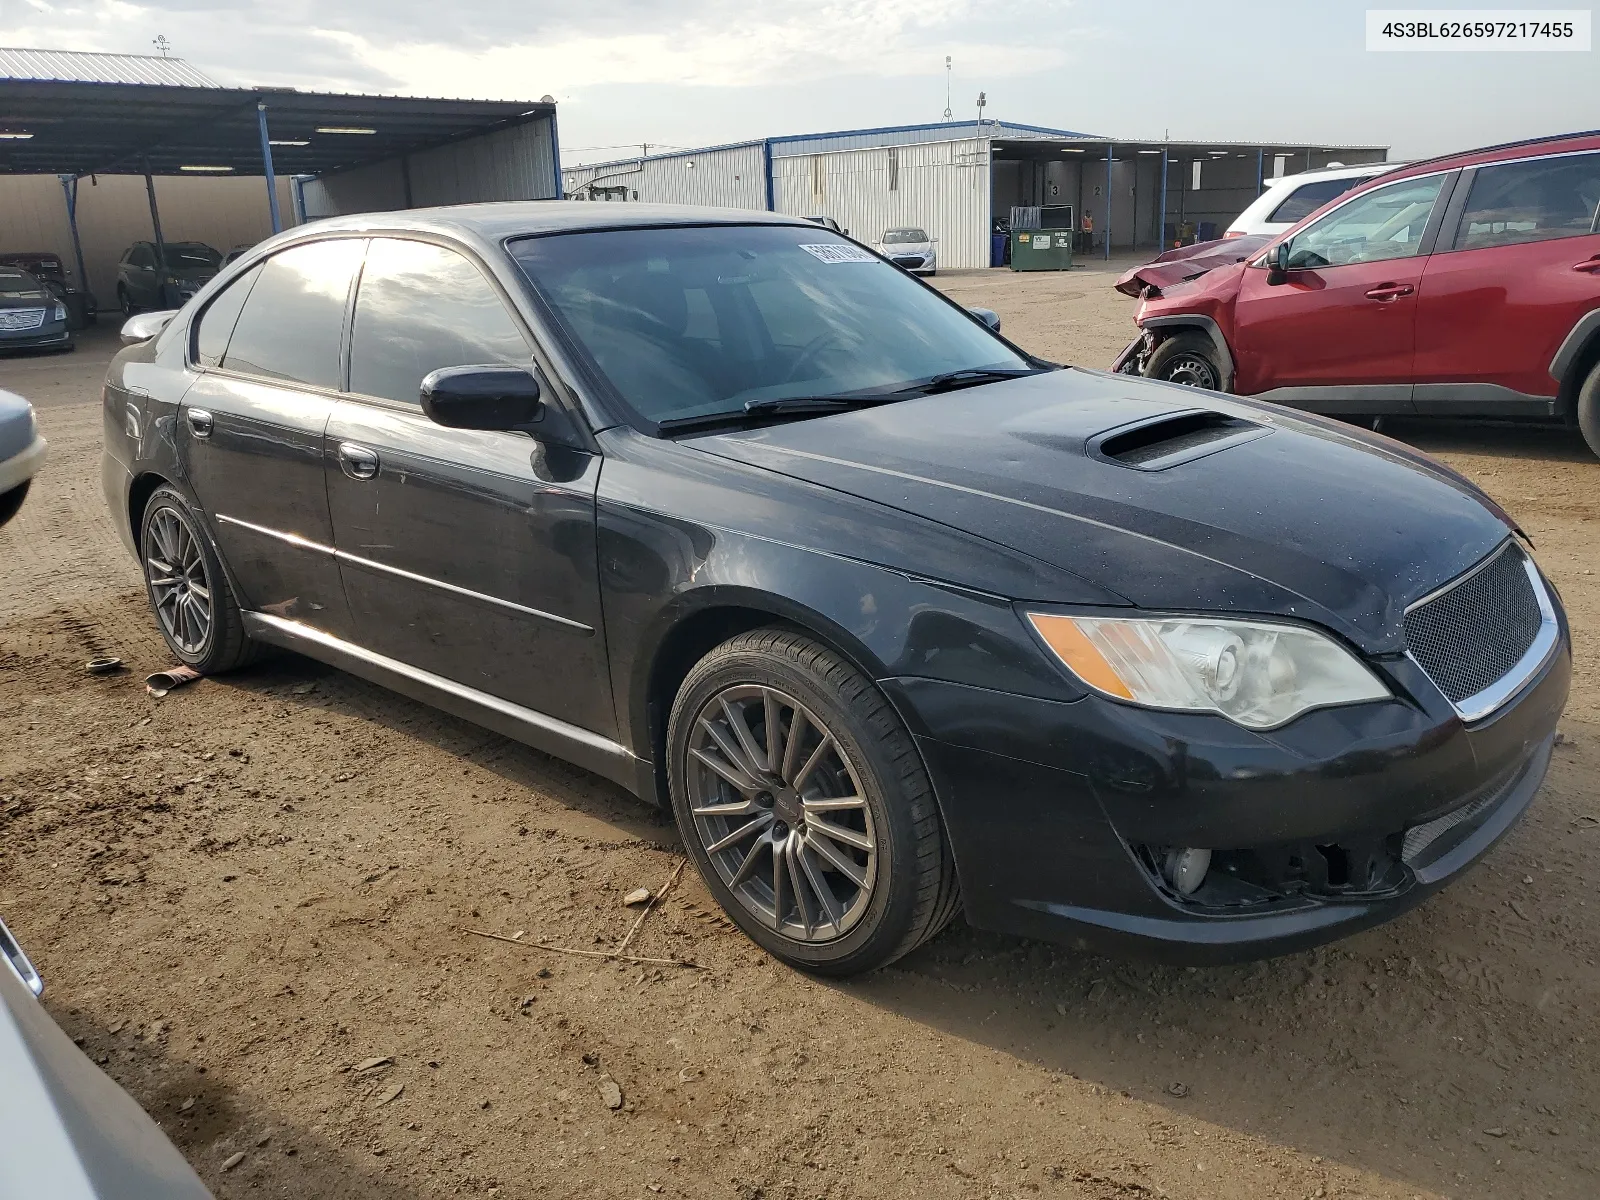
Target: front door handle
{"x":1390,"y":291}
{"x":357,"y":461}
{"x":200,"y":422}
{"x":1588,"y":264}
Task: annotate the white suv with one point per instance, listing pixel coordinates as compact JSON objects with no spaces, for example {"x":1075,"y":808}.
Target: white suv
{"x":1291,"y":198}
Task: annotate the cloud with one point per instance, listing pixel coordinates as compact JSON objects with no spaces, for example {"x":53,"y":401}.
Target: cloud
{"x":505,"y":49}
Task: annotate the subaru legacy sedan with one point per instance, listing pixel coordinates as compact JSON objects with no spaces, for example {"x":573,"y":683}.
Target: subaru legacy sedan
{"x":896,"y":618}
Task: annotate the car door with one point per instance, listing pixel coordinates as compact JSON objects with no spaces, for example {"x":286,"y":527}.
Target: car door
{"x":467,"y":554}
{"x":1337,"y":333}
{"x":268,"y":355}
{"x":141,"y":276}
{"x":1506,"y":285}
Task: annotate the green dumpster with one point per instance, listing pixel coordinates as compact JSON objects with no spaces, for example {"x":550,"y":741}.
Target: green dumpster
{"x":1041,"y":249}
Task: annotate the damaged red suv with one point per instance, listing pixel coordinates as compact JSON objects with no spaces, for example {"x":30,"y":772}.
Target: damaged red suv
{"x":1467,"y":286}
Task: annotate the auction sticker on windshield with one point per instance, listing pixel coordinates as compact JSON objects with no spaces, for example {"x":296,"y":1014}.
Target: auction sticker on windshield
{"x":834,"y":252}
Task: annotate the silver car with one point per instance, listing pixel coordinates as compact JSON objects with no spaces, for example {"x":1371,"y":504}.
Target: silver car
{"x":70,"y":1133}
{"x":911,"y":248}
{"x":22,"y":452}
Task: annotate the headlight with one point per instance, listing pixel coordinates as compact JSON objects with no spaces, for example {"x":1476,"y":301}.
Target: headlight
{"x":59,"y":312}
{"x":1258,"y":674}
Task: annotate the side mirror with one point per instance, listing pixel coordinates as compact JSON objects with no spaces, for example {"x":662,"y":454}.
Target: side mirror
{"x":145,"y":326}
{"x":988,"y":316}
{"x":492,"y":398}
{"x":1278,"y":265}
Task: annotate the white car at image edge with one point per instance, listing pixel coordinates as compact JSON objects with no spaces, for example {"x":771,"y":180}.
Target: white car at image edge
{"x":910,"y":247}
{"x":22,"y":452}
{"x":1289,"y":198}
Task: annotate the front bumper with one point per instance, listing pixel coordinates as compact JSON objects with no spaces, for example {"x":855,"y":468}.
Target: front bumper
{"x":52,"y":335}
{"x":19,"y":468}
{"x":1059,"y":814}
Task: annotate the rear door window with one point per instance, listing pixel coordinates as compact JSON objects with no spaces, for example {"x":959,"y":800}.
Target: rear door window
{"x":292,"y":323}
{"x":217,"y":322}
{"x":419,"y":308}
{"x":1535,"y":201}
{"x":1308,"y":197}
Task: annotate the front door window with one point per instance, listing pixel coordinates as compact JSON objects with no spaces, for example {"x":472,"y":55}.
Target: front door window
{"x":1385,"y":223}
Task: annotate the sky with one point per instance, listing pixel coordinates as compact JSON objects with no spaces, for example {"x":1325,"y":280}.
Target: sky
{"x":686,"y":73}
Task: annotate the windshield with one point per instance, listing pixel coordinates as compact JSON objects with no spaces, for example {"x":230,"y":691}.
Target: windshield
{"x":15,"y":283}
{"x":192,"y":256}
{"x":686,"y":322}
{"x":899,"y":237}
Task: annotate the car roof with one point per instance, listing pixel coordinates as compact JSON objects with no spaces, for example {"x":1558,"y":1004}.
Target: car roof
{"x":1561,"y":143}
{"x":504,"y":219}
{"x":1349,"y":171}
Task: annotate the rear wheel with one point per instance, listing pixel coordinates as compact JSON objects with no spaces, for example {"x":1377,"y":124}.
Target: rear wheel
{"x":189,"y":594}
{"x":804,"y":803}
{"x":1189,"y":359}
{"x":125,"y":301}
{"x":1589,"y":409}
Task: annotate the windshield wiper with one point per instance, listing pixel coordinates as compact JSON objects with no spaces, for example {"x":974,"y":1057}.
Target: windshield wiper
{"x":971,"y":377}
{"x":780,"y":406}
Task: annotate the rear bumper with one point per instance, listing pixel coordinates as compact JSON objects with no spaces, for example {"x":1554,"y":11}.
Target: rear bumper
{"x":1059,"y":814}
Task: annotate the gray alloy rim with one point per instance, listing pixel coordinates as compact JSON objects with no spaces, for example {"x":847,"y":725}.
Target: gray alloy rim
{"x":1191,"y":370}
{"x":178,"y":584}
{"x":780,"y":812}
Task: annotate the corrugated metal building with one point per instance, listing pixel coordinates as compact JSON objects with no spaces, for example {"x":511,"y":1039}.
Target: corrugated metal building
{"x":80,"y":66}
{"x":961,"y":180}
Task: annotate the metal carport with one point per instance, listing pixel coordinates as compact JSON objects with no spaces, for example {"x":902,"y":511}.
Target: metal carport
{"x":352,"y":153}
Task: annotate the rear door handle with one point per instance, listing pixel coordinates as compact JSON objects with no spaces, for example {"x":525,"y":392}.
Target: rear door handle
{"x":357,"y":461}
{"x":1588,"y":264}
{"x":1390,"y":291}
{"x":200,"y":422}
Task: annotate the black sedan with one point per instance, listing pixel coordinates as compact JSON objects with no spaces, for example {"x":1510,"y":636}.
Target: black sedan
{"x":32,"y":317}
{"x":896,"y":618}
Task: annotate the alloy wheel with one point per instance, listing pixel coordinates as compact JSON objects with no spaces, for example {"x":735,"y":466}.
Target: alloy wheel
{"x":779,"y":809}
{"x":179,"y":589}
{"x":1191,"y":370}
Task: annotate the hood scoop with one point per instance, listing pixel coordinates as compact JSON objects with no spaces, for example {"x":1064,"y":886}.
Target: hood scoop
{"x":1173,"y":438}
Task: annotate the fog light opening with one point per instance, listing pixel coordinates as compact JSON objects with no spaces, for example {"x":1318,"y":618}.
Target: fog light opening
{"x":1186,"y":869}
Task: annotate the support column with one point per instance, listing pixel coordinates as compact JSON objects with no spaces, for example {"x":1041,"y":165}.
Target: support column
{"x":1109,"y":151}
{"x":161,"y":244}
{"x":1162,"y":227}
{"x":69,"y":189}
{"x":266,"y":162}
{"x":1261,"y":154}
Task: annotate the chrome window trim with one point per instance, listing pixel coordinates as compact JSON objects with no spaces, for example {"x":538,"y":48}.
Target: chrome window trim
{"x":343,"y":556}
{"x":1481,"y":704}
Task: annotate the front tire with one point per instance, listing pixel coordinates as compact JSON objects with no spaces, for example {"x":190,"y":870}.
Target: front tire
{"x":188,"y":591}
{"x":125,"y":302}
{"x":1188,"y":359}
{"x":1589,"y":409}
{"x":11,"y":502}
{"x":805,"y":805}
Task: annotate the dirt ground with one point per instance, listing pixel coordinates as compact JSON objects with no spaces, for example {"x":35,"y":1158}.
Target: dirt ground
{"x":241,"y":892}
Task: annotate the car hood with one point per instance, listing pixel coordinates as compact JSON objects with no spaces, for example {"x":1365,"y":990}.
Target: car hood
{"x":1177,"y":266}
{"x":29,"y":299}
{"x":1276,"y":514}
{"x":905,"y":247}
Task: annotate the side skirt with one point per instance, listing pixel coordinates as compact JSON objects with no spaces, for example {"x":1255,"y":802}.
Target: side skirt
{"x":580,"y":747}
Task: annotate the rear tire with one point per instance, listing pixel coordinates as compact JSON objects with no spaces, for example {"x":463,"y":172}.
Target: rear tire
{"x":841,"y":874}
{"x":125,"y":302}
{"x":1589,"y":409}
{"x":188,"y":589}
{"x":1188,"y":359}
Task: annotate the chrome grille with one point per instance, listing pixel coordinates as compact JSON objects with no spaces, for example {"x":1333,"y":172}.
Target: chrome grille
{"x":1469,"y":636}
{"x":14,"y":319}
